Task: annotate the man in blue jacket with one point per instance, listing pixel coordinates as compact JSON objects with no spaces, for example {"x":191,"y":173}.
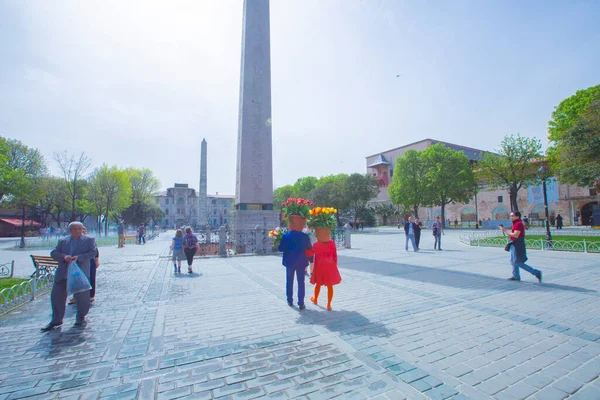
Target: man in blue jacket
{"x":293,"y":245}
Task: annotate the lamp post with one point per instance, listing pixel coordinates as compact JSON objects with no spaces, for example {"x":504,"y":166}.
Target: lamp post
{"x":476,"y":209}
{"x":543,"y":174}
{"x":24,"y":205}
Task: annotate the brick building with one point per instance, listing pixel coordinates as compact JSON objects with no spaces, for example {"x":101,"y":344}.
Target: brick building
{"x":573,"y":203}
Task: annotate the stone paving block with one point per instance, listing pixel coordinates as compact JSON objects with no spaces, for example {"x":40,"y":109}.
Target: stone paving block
{"x":587,"y":393}
{"x":279,"y":384}
{"x":567,"y":385}
{"x":520,"y":390}
{"x":209,"y":385}
{"x":492,"y":386}
{"x":228,"y":390}
{"x":539,"y":380}
{"x":550,"y":393}
{"x":175,"y":394}
{"x":249,"y":394}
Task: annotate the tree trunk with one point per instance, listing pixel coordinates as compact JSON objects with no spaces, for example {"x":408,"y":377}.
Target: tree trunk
{"x":443,"y":214}
{"x":416,"y":210}
{"x":512,"y":193}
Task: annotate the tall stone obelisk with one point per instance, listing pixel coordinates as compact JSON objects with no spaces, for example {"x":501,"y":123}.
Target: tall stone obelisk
{"x":202,"y":192}
{"x":254,"y":174}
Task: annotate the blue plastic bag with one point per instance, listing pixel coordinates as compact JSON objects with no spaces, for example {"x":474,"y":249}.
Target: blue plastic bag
{"x":76,"y":280}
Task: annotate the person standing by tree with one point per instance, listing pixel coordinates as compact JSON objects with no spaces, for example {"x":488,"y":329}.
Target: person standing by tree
{"x":409,"y":230}
{"x":121,"y":233}
{"x":559,"y":222}
{"x":142,"y":234}
{"x":438,"y":230}
{"x":418,"y":226}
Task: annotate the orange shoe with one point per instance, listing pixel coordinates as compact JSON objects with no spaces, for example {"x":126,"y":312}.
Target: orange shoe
{"x":313,"y":300}
{"x":329,"y":308}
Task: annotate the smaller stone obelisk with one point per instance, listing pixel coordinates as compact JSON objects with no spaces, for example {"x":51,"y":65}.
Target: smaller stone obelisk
{"x":202,"y":192}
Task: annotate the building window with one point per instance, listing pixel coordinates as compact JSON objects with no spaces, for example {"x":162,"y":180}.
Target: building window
{"x":593,"y":192}
{"x":374,"y":173}
{"x":167,"y":211}
{"x":391,"y":172}
{"x":225,"y":220}
{"x":213,"y":201}
{"x":167,"y":201}
{"x":215,"y":212}
{"x":500,"y":199}
{"x":179,"y":211}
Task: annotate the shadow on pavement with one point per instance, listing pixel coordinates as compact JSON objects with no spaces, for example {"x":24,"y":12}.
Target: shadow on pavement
{"x":344,"y":322}
{"x":444,"y":277}
{"x":53,"y":342}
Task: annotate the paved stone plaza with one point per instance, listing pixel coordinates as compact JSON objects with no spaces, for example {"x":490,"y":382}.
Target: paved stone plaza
{"x":404,"y":325}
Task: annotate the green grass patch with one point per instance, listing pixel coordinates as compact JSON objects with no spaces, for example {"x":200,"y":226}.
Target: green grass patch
{"x":9,"y":282}
{"x":566,"y":238}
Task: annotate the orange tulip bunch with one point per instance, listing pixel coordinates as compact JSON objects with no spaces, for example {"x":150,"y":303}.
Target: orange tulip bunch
{"x":322,"y":217}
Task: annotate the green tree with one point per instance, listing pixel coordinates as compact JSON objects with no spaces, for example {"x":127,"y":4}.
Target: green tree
{"x":73,"y":171}
{"x":569,"y":110}
{"x":281,"y":194}
{"x":449,"y":176}
{"x":358,"y":190}
{"x":143,"y":207}
{"x":513,"y":167}
{"x":329,"y":192}
{"x":109,"y":192}
{"x":409,"y":187}
{"x":21,"y":168}
{"x":304,"y":186}
{"x":573,"y":135}
{"x":53,"y":200}
{"x":385,"y":211}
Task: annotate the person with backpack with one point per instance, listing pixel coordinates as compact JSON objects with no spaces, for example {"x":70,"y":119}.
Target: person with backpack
{"x":190,"y":246}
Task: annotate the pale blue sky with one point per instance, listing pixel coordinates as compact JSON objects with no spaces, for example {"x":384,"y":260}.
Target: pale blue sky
{"x":141,"y":83}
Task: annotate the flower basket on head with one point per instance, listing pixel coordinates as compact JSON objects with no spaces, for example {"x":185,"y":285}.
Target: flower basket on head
{"x":323,"y":220}
{"x":296,"y":211}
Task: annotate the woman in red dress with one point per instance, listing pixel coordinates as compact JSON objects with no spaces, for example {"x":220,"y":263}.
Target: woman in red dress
{"x":325,"y":270}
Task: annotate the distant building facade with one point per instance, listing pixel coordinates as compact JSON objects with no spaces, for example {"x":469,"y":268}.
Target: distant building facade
{"x":219,"y":209}
{"x":180,"y":206}
{"x":575,"y":204}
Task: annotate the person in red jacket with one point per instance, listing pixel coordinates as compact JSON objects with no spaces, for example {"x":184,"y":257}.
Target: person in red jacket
{"x":325,"y":271}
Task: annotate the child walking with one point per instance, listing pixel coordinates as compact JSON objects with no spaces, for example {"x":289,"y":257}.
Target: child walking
{"x":177,"y":249}
{"x":325,"y":271}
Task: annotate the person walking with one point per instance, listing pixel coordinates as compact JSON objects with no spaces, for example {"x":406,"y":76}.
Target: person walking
{"x":177,"y":249}
{"x":559,"y":222}
{"x":121,"y":233}
{"x":438,"y":229}
{"x":293,"y":245}
{"x":94,"y":265}
{"x":409,"y":230}
{"x":516,"y":246}
{"x":142,"y":234}
{"x":74,"y":247}
{"x":418,"y":227}
{"x":190,"y":246}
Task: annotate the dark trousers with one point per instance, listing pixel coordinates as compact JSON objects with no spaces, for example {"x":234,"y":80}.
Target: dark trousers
{"x":189,"y":255}
{"x":93,"y":278}
{"x":142,"y":238}
{"x":417,"y":238}
{"x":289,"y":284}
{"x":58,"y":298}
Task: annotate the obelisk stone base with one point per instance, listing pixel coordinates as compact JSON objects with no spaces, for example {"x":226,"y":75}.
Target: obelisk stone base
{"x":249,"y":219}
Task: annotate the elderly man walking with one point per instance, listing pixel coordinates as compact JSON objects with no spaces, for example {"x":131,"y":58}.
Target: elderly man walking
{"x":409,"y":230}
{"x":74,"y":247}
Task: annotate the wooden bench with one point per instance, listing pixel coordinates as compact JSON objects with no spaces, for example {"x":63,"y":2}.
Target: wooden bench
{"x":43,"y":265}
{"x":130,"y":237}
